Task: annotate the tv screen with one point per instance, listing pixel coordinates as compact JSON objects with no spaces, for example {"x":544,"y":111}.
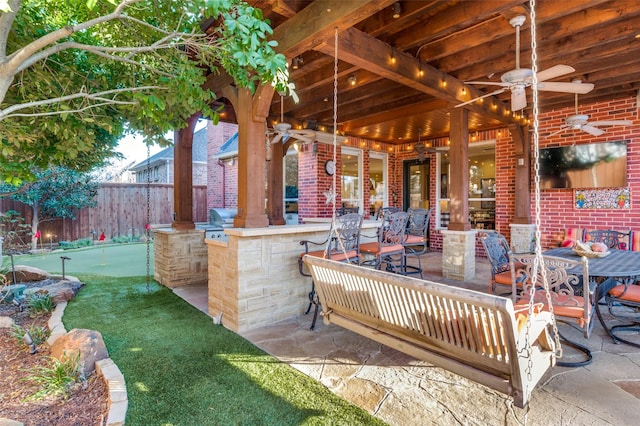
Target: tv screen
{"x":593,"y":165}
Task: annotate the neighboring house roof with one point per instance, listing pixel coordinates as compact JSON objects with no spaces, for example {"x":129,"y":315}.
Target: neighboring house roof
{"x":199,"y":153}
{"x":229,"y":149}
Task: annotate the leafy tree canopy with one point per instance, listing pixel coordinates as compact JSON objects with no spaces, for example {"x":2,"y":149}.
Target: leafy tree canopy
{"x":76,"y":75}
{"x":57,"y":192}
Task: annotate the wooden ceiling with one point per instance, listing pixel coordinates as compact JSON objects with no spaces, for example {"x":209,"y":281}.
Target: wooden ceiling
{"x":410,"y":71}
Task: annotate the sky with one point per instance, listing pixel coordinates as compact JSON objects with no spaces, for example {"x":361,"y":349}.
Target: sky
{"x":134,"y":149}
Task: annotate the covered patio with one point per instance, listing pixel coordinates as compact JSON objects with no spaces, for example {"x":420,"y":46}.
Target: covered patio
{"x":402,"y":390}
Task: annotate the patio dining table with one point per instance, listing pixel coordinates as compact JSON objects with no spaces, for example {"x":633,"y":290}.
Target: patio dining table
{"x":620,"y":266}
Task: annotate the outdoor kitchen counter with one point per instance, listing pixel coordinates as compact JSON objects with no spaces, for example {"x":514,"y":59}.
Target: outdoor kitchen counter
{"x":253,"y":277}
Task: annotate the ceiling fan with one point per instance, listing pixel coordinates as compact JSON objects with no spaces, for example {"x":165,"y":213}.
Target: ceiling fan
{"x":518,"y":79}
{"x":282,"y":129}
{"x":581,"y":122}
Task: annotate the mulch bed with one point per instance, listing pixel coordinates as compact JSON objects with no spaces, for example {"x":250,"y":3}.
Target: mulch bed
{"x":87,"y":403}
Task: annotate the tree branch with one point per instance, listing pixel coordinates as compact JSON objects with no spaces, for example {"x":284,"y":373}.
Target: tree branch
{"x":20,"y":56}
{"x":6,"y":22}
{"x":89,"y":96}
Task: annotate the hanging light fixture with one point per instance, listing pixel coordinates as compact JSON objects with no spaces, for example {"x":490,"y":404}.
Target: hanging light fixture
{"x":296,"y":62}
{"x":352,"y":80}
{"x":396,"y":10}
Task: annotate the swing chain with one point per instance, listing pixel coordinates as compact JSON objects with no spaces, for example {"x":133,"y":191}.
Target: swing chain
{"x":147,"y":227}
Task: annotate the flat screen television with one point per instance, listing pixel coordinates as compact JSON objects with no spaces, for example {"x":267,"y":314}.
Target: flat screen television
{"x":592,"y":165}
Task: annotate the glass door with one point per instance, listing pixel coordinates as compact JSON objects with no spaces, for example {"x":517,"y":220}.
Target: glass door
{"x":415,"y":184}
{"x":351,"y":178}
{"x":377,"y":182}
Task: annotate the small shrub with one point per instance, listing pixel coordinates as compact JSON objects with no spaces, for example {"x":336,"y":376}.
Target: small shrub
{"x":57,"y":378}
{"x":66,"y":245}
{"x":38,"y":334}
{"x":122,"y":240}
{"x":40,"y":302}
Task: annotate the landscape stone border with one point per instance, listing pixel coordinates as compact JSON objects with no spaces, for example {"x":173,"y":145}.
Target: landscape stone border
{"x":106,"y":368}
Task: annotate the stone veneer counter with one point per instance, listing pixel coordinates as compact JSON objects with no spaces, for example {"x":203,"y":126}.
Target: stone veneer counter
{"x":253,"y":278}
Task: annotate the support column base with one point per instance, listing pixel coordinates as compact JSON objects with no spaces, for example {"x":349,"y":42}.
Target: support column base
{"x":523,"y":237}
{"x":179,"y":257}
{"x":459,"y":255}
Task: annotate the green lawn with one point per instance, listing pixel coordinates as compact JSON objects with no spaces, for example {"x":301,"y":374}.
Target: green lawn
{"x":180,"y":368}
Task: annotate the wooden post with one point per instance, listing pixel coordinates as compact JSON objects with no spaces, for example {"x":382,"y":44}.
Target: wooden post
{"x":274,"y":185}
{"x":522,"y":147}
{"x":183,"y":176}
{"x":459,"y":153}
{"x":251,"y":112}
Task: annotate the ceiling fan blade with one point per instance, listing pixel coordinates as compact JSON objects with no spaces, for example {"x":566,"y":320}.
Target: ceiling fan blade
{"x":594,"y":131}
{"x":562,"y":129}
{"x":555,"y":71}
{"x":612,"y":123}
{"x":277,"y":137}
{"x":489,"y":83}
{"x":495,"y":92}
{"x":552,"y":86}
{"x":302,"y":137}
{"x":518,"y":99}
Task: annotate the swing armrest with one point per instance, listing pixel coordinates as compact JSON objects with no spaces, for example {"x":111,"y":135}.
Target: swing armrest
{"x":538,"y":332}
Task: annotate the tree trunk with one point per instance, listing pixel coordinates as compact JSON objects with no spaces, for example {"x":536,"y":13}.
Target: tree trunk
{"x":35,"y":221}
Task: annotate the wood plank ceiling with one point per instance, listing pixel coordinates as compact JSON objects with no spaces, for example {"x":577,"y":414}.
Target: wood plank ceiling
{"x":410,"y":71}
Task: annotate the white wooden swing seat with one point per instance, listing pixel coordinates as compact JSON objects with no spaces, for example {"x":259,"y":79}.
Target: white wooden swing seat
{"x":475,"y":335}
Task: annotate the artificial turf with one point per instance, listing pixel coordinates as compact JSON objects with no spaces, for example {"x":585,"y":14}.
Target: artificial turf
{"x":181,"y":369}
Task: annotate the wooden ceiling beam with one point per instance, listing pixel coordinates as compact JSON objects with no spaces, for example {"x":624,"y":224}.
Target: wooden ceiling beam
{"x":499,"y":29}
{"x":458,"y":17}
{"x":316,"y":23}
{"x":372,"y":117}
{"x":478,"y":63}
{"x":370,"y":53}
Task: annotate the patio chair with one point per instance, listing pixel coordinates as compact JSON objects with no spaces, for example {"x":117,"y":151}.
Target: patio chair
{"x":571,"y":294}
{"x":389,"y":248}
{"x":383,"y":211}
{"x":341,"y":211}
{"x":623,"y":303}
{"x":342,"y":244}
{"x":612,"y":239}
{"x":416,"y":238}
{"x":497,"y":249}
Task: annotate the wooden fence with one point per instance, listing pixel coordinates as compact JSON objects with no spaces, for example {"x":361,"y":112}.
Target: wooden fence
{"x":121,"y":211}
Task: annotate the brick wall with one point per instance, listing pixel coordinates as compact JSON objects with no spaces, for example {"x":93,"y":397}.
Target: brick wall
{"x":222,"y":176}
{"x":558,"y":204}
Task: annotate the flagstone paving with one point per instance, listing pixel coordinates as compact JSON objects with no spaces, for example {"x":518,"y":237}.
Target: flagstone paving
{"x":404,"y":391}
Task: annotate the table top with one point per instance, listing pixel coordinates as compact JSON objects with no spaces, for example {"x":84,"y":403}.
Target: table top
{"x":618,"y":264}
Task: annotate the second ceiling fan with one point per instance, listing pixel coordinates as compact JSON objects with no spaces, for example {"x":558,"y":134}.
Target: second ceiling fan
{"x":518,"y":79}
{"x":581,"y":122}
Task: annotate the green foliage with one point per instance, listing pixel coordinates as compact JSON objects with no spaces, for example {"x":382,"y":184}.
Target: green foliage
{"x":57,"y":378}
{"x":56,"y":193}
{"x":15,"y":232}
{"x":38,"y":334}
{"x":82,"y":242}
{"x":123,"y":240}
{"x":40,"y":302}
{"x":87,"y":88}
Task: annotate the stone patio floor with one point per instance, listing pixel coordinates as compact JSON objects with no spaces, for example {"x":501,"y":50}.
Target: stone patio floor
{"x":404,"y":391}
